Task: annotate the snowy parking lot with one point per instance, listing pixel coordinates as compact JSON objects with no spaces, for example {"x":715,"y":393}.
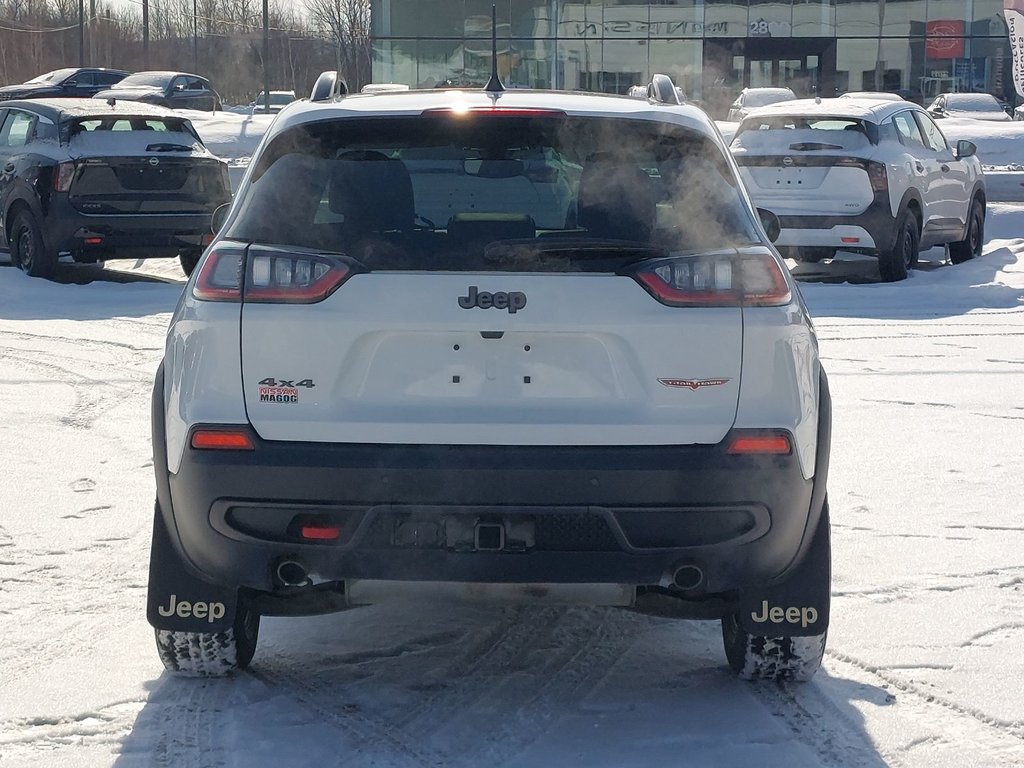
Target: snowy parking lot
{"x":923,"y":666}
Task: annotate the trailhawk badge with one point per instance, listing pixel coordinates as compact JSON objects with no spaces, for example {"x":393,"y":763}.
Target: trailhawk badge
{"x":693,"y":384}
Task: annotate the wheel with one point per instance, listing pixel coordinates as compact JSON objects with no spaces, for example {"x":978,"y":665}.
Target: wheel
{"x":970,"y":246}
{"x":894,"y":264}
{"x":28,"y":250}
{"x":814,"y":254}
{"x":762,"y":657}
{"x":210,"y":654}
{"x":188,"y":261}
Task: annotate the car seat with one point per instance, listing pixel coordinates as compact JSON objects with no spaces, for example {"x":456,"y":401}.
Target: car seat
{"x":616,"y":199}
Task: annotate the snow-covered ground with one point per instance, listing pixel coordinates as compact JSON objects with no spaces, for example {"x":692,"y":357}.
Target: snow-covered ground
{"x":924,"y":662}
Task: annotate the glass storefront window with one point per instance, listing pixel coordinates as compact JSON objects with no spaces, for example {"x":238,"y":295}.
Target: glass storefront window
{"x":770,"y":18}
{"x":532,"y":18}
{"x":579,"y":62}
{"x":682,"y":61}
{"x":532,"y":64}
{"x":394,"y":61}
{"x":477,"y":16}
{"x":816,"y":18}
{"x":725,"y":18}
{"x":441,"y":61}
{"x":580,"y":20}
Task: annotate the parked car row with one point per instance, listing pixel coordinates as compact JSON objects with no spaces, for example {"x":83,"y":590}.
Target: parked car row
{"x":177,"y":90}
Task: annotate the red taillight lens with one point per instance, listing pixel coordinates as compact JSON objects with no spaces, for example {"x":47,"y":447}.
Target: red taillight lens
{"x":753,"y":278}
{"x":492,"y":110}
{"x":280,"y":276}
{"x":63,"y":174}
{"x":319,"y":532}
{"x":220,"y":276}
{"x":746,"y":445}
{"x":222,"y":440}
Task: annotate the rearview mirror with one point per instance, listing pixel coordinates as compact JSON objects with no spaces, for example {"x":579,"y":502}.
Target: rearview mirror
{"x":965,"y":148}
{"x":770,"y":223}
{"x":219,"y":217}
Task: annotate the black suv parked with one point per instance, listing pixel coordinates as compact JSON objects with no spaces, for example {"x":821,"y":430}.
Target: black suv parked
{"x":100,"y":182}
{"x":64,"y":83}
{"x":177,"y":90}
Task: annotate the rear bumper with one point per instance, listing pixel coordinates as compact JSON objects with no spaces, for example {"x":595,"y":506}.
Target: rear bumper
{"x":569,"y":515}
{"x":128,"y":236}
{"x":872,"y":230}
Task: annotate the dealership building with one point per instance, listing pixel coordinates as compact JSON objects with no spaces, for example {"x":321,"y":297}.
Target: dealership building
{"x":711,"y":48}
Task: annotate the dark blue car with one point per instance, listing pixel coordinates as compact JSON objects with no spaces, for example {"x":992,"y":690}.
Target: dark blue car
{"x":65,"y":83}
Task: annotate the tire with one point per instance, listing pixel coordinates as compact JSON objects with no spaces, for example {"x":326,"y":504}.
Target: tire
{"x":760,"y":657}
{"x":210,"y":654}
{"x":189,"y":260}
{"x":894,"y":264}
{"x":971,"y":245}
{"x":812,"y":255}
{"x":28,"y":251}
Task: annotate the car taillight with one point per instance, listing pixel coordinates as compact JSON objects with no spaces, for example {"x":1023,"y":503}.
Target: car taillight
{"x":221,"y":274}
{"x":879,"y":177}
{"x":62,"y":176}
{"x":281,"y":276}
{"x":726,"y":278}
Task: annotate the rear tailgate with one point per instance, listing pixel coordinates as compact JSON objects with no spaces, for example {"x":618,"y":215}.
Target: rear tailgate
{"x":589,"y":359}
{"x":144,"y":172}
{"x":797,"y":172}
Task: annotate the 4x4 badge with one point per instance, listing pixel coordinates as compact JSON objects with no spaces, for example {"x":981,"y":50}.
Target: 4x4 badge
{"x":513,"y":301}
{"x":693,"y":384}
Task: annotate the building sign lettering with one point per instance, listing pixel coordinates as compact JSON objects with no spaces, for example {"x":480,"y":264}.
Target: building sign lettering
{"x":648,"y":28}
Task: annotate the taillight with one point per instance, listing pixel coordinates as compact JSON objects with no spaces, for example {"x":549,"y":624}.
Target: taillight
{"x":879,"y":176}
{"x":772,"y":444}
{"x":62,"y":176}
{"x":281,"y":276}
{"x":221,"y":274}
{"x":726,"y":278}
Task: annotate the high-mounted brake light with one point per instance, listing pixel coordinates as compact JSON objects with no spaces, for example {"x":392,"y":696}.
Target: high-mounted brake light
{"x":746,"y":445}
{"x":280,"y":276}
{"x":221,"y":274}
{"x":728,"y":278}
{"x":222,"y":440}
{"x":458,"y":111}
{"x":63,"y":174}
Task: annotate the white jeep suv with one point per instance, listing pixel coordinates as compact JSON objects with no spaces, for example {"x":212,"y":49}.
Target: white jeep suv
{"x":875,"y":177}
{"x":518,"y":344}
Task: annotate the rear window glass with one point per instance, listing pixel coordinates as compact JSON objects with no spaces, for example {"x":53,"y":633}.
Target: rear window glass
{"x":494,"y":192}
{"x":809,"y":132}
{"x":127,"y":124}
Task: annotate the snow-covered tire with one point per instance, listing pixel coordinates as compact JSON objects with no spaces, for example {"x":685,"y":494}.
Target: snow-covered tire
{"x":755,"y":657}
{"x":971,"y":245}
{"x":189,"y":260}
{"x":28,"y":249}
{"x":210,"y":654}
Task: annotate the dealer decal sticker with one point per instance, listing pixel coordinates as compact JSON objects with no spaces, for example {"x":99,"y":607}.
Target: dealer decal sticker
{"x":693,"y":384}
{"x":279,"y":395}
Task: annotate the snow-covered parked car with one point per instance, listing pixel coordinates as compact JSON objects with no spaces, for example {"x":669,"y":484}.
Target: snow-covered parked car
{"x":99,"y":182}
{"x":875,"y":177}
{"x":755,"y":98}
{"x":508,"y":345}
{"x":974,"y":106}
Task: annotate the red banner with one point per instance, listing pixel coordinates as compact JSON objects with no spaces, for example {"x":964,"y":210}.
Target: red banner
{"x":944,"y":39}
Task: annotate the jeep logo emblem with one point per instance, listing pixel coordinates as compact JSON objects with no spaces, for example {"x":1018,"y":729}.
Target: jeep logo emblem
{"x":513,"y":302}
{"x":804,"y":616}
{"x":199,"y":609}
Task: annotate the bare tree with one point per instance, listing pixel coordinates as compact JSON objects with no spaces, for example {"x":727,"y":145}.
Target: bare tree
{"x":347,"y":24}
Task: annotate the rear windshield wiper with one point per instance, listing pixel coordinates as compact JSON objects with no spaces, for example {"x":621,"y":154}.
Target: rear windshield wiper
{"x":168,"y":147}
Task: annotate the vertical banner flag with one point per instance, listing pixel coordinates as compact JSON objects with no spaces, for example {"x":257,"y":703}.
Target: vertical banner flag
{"x":1014,"y":11}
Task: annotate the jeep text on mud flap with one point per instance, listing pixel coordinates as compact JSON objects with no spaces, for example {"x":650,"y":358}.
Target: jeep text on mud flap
{"x":649,"y":429}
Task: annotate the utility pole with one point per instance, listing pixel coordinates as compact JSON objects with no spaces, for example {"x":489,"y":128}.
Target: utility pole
{"x":266,"y":55}
{"x":81,"y":33}
{"x":92,"y":32}
{"x":145,"y":34}
{"x":195,"y":36}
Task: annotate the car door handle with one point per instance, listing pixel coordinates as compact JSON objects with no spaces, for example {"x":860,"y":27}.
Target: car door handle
{"x":945,"y":168}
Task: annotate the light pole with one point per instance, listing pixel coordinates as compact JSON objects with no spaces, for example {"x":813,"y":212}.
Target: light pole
{"x":266,"y":56}
{"x":195,"y":36}
{"x":81,"y":33}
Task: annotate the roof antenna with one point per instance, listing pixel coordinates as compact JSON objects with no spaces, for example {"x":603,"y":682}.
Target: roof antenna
{"x":494,"y":84}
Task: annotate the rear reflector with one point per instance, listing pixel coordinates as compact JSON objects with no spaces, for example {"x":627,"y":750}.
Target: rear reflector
{"x":850,"y":239}
{"x":777,"y":445}
{"x":93,"y":240}
{"x":222,"y":440}
{"x":320,"y":532}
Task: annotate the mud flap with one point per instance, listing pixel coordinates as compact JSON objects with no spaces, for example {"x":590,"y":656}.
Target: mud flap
{"x":798,"y":606}
{"x":178,"y":600}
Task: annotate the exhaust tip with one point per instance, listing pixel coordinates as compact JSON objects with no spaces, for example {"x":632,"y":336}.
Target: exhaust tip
{"x":688,"y":577}
{"x":291,"y":574}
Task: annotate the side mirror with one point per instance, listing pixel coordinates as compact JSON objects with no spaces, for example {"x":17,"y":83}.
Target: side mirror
{"x":938,"y":111}
{"x":771,"y":224}
{"x":71,"y":84}
{"x":965,"y":148}
{"x":219,"y":217}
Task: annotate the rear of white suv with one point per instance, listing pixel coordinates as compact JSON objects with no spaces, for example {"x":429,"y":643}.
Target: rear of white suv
{"x":533,"y":346}
{"x":876,"y":177}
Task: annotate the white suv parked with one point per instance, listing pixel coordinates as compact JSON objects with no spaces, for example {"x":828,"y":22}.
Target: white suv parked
{"x":518,"y":345}
{"x":870,"y":176}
